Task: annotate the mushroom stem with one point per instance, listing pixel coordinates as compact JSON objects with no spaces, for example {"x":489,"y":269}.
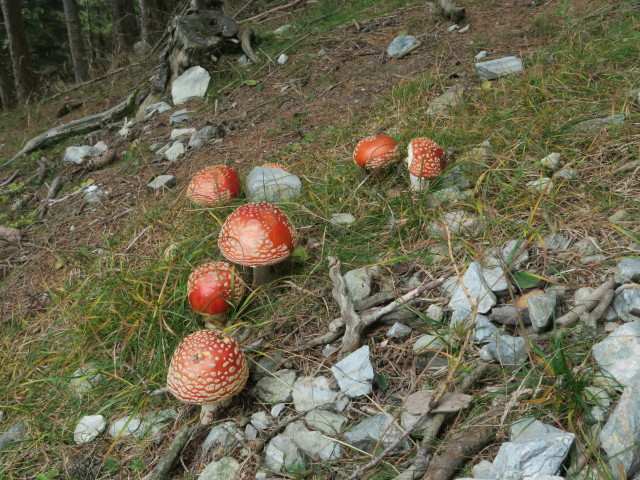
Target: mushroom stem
{"x":206,"y":413}
{"x":213,"y":322}
{"x":418,"y":184}
{"x":261,"y":275}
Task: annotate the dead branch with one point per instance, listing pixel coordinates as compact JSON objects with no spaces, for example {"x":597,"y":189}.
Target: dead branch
{"x":246,"y":37}
{"x":591,"y":319}
{"x":162,"y":468}
{"x":9,"y":179}
{"x":54,"y":188}
{"x":586,"y":305}
{"x":76,"y":127}
{"x":270,"y":12}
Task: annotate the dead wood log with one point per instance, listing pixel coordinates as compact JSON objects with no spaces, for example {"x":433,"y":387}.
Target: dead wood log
{"x":586,"y":305}
{"x":246,"y":37}
{"x":76,"y":127}
{"x":163,"y":467}
{"x":447,"y":9}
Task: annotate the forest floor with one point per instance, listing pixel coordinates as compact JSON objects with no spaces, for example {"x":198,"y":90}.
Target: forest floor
{"x":103,"y":284}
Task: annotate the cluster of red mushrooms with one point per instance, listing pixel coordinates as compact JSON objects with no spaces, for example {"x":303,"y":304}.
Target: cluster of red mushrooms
{"x":208,"y":368}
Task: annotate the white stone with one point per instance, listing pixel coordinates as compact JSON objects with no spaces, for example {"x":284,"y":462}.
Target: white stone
{"x":83,"y":379}
{"x":271,"y":184}
{"x":354,"y":373}
{"x":314,"y":444}
{"x":626,"y":300}
{"x":276,"y":388}
{"x":174,"y":151}
{"x":88,"y":428}
{"x":618,"y":355}
{"x":428,"y":344}
{"x":125,"y":427}
{"x":192,"y":84}
{"x":312,"y":392}
{"x":496,"y":279}
{"x":103,"y":147}
{"x":476,"y":294}
{"x":435,"y":312}
{"x":481,"y":55}
{"x":401,"y":45}
{"x":551,"y":161}
{"x":283,"y":454}
{"x":327,"y":422}
{"x":342,"y":219}
{"x":77,"y":154}
{"x":493,"y":69}
{"x":358,"y":284}
{"x":162,"y":181}
{"x":181,"y":133}
{"x":540,"y":186}
{"x":226,"y":468}
{"x":283,"y":58}
{"x":260,"y":420}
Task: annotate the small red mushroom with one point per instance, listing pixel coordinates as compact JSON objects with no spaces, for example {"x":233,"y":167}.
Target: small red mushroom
{"x":207,"y":368}
{"x":376,"y":152}
{"x":214,"y":186}
{"x":276,"y":165}
{"x":212,"y":288}
{"x":426,"y":160}
{"x":257,"y":235}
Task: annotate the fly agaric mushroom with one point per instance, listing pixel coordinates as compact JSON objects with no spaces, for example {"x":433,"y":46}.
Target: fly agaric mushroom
{"x":257,"y":235}
{"x":276,"y":165}
{"x":425,"y":161}
{"x":376,"y":152}
{"x":207,"y":368}
{"x":212,"y":288}
{"x":214,"y":186}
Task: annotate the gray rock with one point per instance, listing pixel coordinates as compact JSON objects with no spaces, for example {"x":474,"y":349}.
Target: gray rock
{"x":161,"y":182}
{"x":555,"y":241}
{"x":542,"y":185}
{"x":513,"y":254}
{"x":535,"y":449}
{"x":282,"y":453}
{"x":459,"y":222}
{"x":427,"y":344}
{"x":83,"y":379}
{"x":77,"y":154}
{"x":596,"y":124}
{"x":260,"y":420}
{"x":541,"y":306}
{"x":225,"y":434}
{"x":141,"y":48}
{"x":481,"y":55}
{"x":272,"y":185}
{"x":202,"y":136}
{"x":620,"y":216}
{"x":250,"y":432}
{"x":354,"y":373}
{"x":567,"y":174}
{"x":620,"y":436}
{"x":592,"y":259}
{"x":313,"y":392}
{"x":276,"y":388}
{"x":618,"y":355}
{"x":401,"y":45}
{"x":156,"y":147}
{"x":267,"y":364}
{"x":459,"y":317}
{"x":587,"y":246}
{"x":243,"y":61}
{"x":627,"y":271}
{"x":447,"y":102}
{"x":600,"y":400}
{"x":626,"y":300}
{"x":277,"y":409}
{"x":130,"y":425}
{"x":464,"y":29}
{"x":496,"y":279}
{"x":476,"y":294}
{"x":505,"y":349}
{"x":447,"y":196}
{"x":343,"y":219}
{"x":551,"y":161}
{"x":103,"y":147}
{"x":398,"y":331}
{"x":484,"y":331}
{"x":14,"y":433}
{"x":410,"y":420}
{"x":282,"y":30}
{"x":499,"y":67}
{"x":435,"y":312}
{"x":482,"y":469}
{"x":378,"y":430}
{"x":327,"y":422}
{"x":88,"y":428}
{"x":192,"y":84}
{"x":93,"y":194}
{"x":283,"y":58}
{"x":224,"y":469}
{"x":358,"y":284}
{"x":181,"y":133}
{"x":174,"y":151}
{"x":582,"y":294}
{"x":158,"y":107}
{"x":179,"y":116}
{"x":314,"y":445}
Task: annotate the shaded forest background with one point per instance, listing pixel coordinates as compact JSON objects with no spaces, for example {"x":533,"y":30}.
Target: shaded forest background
{"x":46,"y":43}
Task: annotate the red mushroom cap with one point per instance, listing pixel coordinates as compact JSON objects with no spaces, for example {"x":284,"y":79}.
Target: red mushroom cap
{"x":214,"y":186}
{"x":425,"y":158}
{"x":376,"y":151}
{"x":213,"y":286}
{"x":207,"y":367}
{"x":276,"y":165}
{"x":257,"y":234}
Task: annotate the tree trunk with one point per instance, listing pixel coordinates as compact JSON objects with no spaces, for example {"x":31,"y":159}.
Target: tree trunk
{"x":19,"y":50}
{"x":152,"y":20}
{"x":5,"y":89}
{"x":125,"y":28}
{"x":76,"y":43}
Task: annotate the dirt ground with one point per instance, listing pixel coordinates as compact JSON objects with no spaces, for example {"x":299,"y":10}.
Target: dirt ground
{"x":296,"y":101}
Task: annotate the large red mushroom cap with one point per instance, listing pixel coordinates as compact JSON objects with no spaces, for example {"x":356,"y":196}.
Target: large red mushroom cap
{"x":257,"y":234}
{"x":214,"y":186}
{"x":213,"y":286}
{"x":425,"y":158}
{"x":376,"y":152}
{"x":207,"y":367}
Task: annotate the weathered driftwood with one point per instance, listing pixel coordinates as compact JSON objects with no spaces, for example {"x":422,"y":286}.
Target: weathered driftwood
{"x":447,"y":9}
{"x":76,"y":127}
{"x":163,"y":467}
{"x":585,"y":305}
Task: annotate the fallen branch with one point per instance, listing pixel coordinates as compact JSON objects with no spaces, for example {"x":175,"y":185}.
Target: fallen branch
{"x":245,"y":42}
{"x":162,"y":468}
{"x":585,"y":305}
{"x":591,"y":319}
{"x":54,"y":188}
{"x":76,"y":127}
{"x":9,"y":179}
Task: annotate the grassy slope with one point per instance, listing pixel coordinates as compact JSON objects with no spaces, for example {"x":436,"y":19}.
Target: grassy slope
{"x":125,"y":312}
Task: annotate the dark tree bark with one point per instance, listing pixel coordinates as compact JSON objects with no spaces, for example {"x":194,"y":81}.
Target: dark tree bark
{"x":125,"y":27}
{"x":19,"y":50}
{"x":76,"y":43}
{"x":5,"y":86}
{"x":152,"y":20}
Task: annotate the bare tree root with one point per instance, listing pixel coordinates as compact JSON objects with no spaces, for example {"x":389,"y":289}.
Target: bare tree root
{"x":246,"y":36}
{"x":586,"y":305}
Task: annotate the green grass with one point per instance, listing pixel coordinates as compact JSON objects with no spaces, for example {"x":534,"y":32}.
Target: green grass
{"x":124,"y":311}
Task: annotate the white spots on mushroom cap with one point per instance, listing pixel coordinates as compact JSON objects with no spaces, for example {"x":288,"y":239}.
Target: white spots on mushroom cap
{"x":197,"y":376}
{"x":424,"y":158}
{"x":212,"y":185}
{"x":257,"y":234}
